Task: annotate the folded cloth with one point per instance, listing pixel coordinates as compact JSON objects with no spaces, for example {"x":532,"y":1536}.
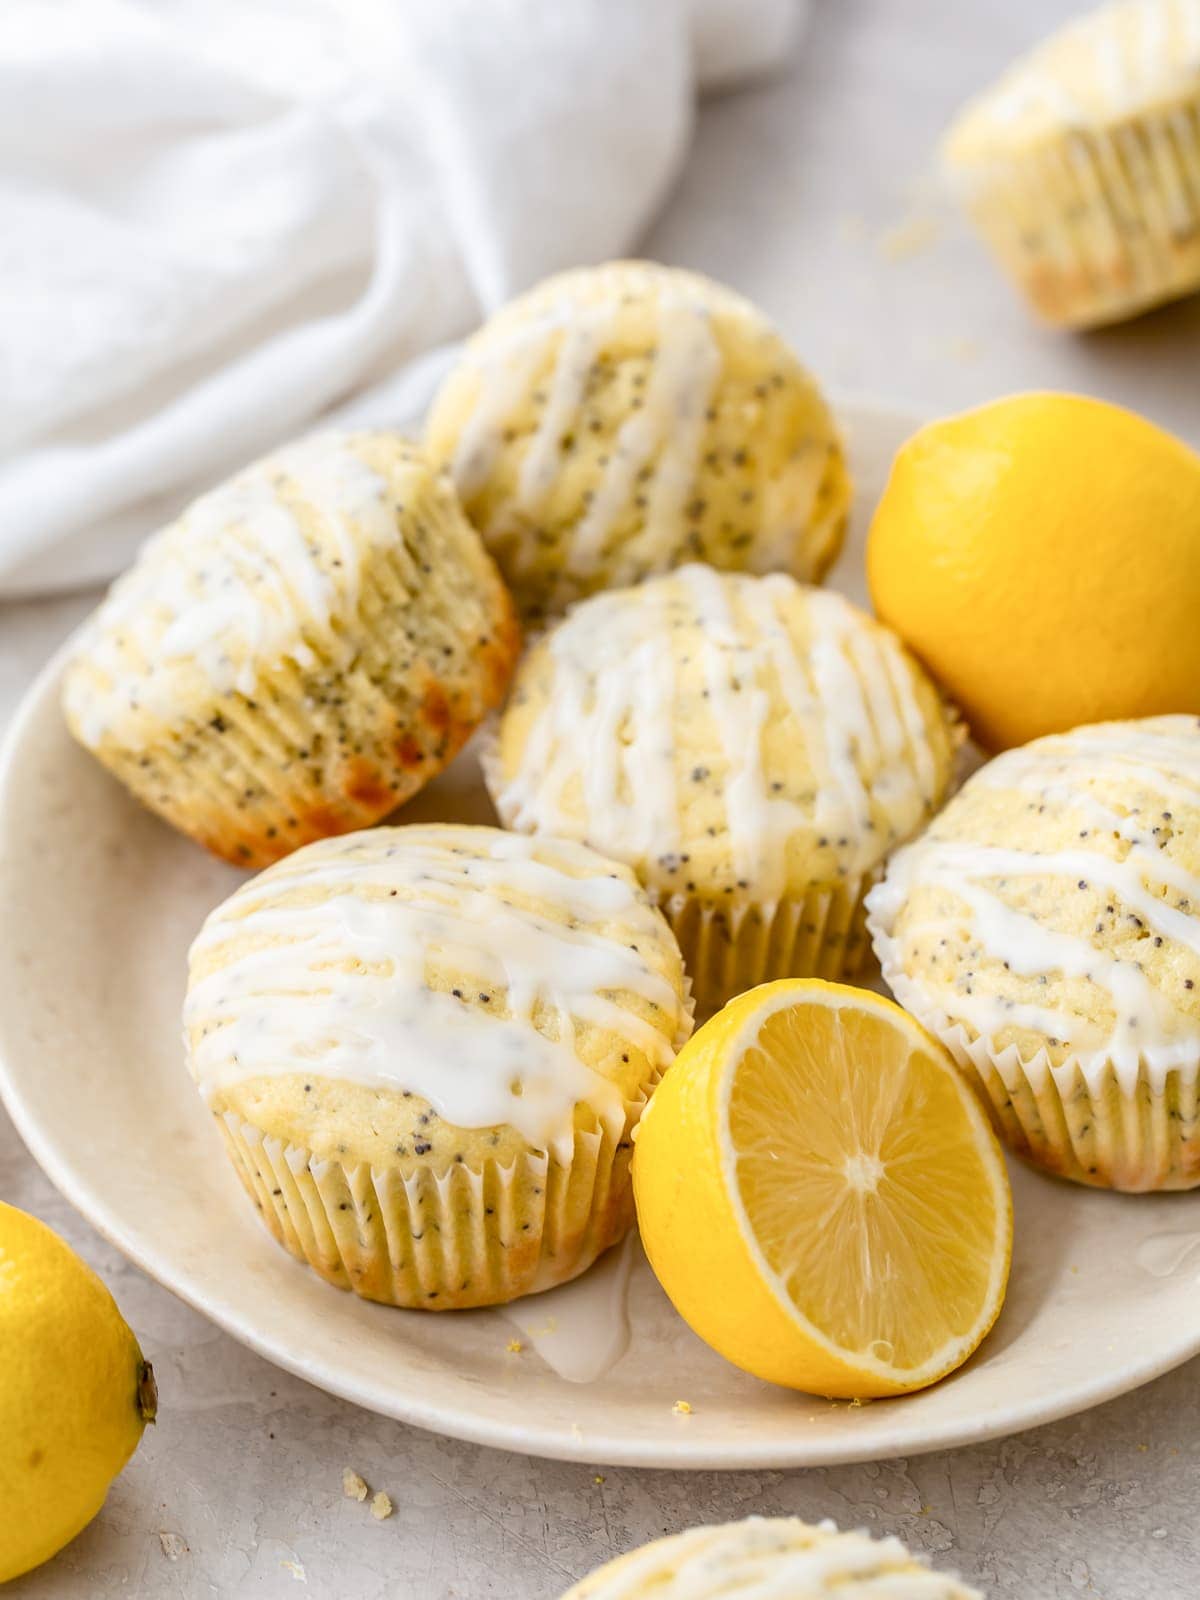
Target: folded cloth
{"x":223,"y":220}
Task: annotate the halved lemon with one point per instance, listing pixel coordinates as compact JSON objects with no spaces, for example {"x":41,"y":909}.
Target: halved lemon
{"x":821,"y":1195}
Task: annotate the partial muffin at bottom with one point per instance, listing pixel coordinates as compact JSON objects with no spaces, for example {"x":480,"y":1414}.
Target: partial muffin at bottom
{"x":427,"y":1049}
{"x":781,"y":1557}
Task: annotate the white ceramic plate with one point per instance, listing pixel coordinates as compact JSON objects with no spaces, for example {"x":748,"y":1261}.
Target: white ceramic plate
{"x":98,"y":902}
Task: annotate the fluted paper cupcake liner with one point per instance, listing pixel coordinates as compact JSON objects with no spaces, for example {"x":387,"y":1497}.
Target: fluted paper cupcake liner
{"x":727,"y":950}
{"x":1101,"y":224}
{"x":465,"y":1236}
{"x":1087,"y":1121}
{"x":1084,"y":1125}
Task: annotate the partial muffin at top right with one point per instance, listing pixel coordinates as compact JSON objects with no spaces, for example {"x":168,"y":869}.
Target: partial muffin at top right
{"x":1046,"y":927}
{"x":1081,"y":166}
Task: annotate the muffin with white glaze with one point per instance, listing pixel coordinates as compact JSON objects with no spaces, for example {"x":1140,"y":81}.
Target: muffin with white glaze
{"x":427,"y":1049}
{"x":1081,"y":167}
{"x":779,"y":1556}
{"x":1047,"y":928}
{"x":302,"y":650}
{"x":620,"y":420}
{"x":751,"y":747}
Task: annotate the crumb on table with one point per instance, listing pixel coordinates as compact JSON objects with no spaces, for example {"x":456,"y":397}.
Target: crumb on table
{"x":908,"y":238}
{"x":353,"y":1486}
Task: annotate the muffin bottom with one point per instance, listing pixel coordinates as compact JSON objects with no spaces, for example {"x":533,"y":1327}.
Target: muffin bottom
{"x":1100,"y":225}
{"x":730,"y":948}
{"x":471,"y":1235}
{"x":1086,"y":1126}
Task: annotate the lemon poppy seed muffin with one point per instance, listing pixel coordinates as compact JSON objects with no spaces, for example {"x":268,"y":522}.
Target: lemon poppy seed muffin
{"x":1047,"y":928}
{"x":778,"y":1556}
{"x":1081,"y":167}
{"x":751,"y":747}
{"x":619,"y":420}
{"x":302,"y":650}
{"x":427,"y":1049}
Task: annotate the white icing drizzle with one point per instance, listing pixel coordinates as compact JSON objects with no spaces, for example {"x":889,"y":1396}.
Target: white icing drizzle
{"x":504,"y":379}
{"x":1157,"y":762}
{"x":665,"y":431}
{"x":323,"y":962}
{"x":608,"y":730}
{"x":543,"y":459}
{"x":233,"y":582}
{"x":671,"y":422}
{"x":609,"y":727}
{"x":760,"y":823}
{"x":773,"y":1559}
{"x":879,"y":725}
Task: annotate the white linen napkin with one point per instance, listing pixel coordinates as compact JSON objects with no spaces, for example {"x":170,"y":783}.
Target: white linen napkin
{"x":221,"y":220}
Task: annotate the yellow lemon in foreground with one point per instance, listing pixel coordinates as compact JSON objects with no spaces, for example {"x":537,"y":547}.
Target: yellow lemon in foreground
{"x":821,"y":1195}
{"x":1042,"y":556}
{"x":75,"y":1393}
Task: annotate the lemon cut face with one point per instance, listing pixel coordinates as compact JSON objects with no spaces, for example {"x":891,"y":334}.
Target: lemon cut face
{"x":821,"y":1195}
{"x":834,"y":1117}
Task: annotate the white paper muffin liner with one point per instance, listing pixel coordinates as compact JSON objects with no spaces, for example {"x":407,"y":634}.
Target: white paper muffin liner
{"x":727,"y":950}
{"x":1137,"y":1132}
{"x":1100,"y":224}
{"x":473,"y":1234}
{"x":466,"y":1236}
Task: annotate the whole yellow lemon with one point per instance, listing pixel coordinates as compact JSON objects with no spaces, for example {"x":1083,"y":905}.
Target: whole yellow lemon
{"x":1042,"y":556}
{"x":75,"y":1393}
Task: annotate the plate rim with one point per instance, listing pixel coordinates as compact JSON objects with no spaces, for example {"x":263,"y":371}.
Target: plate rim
{"x":462,"y":1422}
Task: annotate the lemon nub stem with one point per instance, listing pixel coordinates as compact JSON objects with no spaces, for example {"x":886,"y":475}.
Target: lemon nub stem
{"x":147,"y":1393}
